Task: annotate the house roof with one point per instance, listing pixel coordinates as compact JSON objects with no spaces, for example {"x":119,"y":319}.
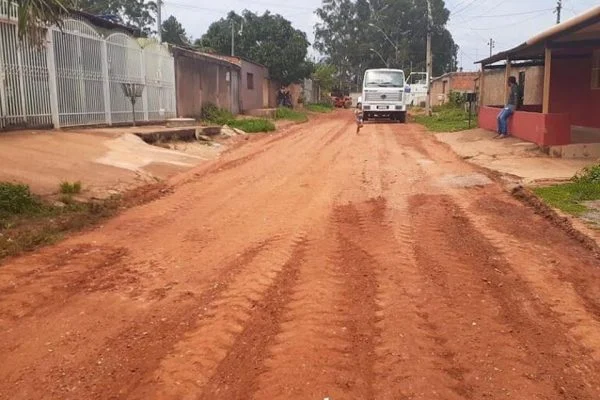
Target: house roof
{"x":453,"y":74}
{"x":223,"y":60}
{"x":581,"y":30}
{"x":103,"y":22}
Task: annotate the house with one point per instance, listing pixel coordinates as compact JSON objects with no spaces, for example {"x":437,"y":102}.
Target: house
{"x":567,"y":112}
{"x":460,"y":82}
{"x":203,"y":78}
{"x":255,"y":86}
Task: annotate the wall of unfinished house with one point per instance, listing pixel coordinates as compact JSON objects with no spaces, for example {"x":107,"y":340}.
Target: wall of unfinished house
{"x":201,"y":80}
{"x":495,"y":82}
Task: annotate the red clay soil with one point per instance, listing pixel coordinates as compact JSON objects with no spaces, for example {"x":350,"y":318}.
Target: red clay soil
{"x":311,"y":264}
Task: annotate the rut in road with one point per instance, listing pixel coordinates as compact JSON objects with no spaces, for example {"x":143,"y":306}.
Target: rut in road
{"x":309,"y":264}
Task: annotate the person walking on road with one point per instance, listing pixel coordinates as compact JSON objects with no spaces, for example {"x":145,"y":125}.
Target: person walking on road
{"x":358,"y":115}
{"x":509,"y":109}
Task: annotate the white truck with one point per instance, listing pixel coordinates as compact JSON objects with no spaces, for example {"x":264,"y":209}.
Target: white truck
{"x":417,"y":92}
{"x":383,"y":94}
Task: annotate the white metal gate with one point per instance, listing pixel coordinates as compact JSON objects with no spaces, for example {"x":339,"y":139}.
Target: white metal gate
{"x":79,"y":78}
{"x":24,"y":90}
{"x":76,"y":78}
{"x":160,"y":81}
{"x":124,"y":57}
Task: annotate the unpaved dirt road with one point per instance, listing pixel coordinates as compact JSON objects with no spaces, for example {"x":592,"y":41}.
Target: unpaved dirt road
{"x":305,"y":265}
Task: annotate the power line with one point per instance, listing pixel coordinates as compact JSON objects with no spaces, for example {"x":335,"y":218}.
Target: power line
{"x":507,"y":25}
{"x":508,"y":15}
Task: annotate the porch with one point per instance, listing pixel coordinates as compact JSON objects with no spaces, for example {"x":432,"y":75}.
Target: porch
{"x":567,"y":112}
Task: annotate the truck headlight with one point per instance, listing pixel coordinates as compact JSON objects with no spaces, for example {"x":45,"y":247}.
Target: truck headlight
{"x":366,"y":107}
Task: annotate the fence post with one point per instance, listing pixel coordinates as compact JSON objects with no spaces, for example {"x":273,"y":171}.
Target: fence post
{"x":51,"y":64}
{"x":106,"y":83}
{"x":145,"y":83}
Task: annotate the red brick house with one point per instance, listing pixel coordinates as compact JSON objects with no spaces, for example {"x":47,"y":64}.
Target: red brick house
{"x":460,"y":82}
{"x":569,"y":111}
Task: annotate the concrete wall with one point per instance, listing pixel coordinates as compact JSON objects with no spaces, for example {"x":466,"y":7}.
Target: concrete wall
{"x":252,"y":98}
{"x":200,"y":80}
{"x":495,"y":82}
{"x":571,"y":91}
{"x":542,"y":129}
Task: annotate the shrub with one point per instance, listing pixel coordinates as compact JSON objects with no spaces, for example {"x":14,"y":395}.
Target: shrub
{"x":17,"y":199}
{"x":588,"y":175}
{"x":70,"y":188}
{"x":212,"y":113}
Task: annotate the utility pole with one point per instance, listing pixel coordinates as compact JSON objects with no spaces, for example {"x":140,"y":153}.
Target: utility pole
{"x":558,"y":10}
{"x":159,"y":4}
{"x":429,"y":59}
{"x":232,"y":39}
{"x":492,"y":44}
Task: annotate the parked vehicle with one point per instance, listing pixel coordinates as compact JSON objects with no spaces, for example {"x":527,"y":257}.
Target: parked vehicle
{"x":417,"y":89}
{"x":383,"y":94}
{"x":341,"y":99}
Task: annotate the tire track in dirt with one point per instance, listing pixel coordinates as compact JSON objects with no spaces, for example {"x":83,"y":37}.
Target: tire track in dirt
{"x":547,"y":271}
{"x":212,"y":354}
{"x":150,"y":334}
{"x":236,"y":375}
{"x":512,"y":329}
{"x":405,"y":363}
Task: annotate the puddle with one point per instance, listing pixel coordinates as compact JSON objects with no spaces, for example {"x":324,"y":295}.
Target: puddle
{"x":464,"y":181}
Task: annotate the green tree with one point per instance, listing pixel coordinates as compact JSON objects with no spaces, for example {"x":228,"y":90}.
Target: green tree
{"x":268,"y":39}
{"x":325,"y":75}
{"x":352,"y":32}
{"x":137,"y":13}
{"x":173,"y":32}
{"x":35,"y":14}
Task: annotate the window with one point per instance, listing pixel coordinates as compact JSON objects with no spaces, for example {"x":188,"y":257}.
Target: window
{"x":596,"y":69}
{"x":250,"y":80}
{"x":384,"y":78}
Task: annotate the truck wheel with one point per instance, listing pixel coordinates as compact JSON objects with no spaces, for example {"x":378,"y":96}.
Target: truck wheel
{"x":402,"y":117}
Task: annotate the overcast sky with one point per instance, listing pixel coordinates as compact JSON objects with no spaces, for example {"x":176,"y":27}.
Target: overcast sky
{"x":472,"y":23}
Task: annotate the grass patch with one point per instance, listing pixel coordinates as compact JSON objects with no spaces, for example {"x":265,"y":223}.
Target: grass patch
{"x":17,"y":199}
{"x":319,"y":107}
{"x":447,"y":118}
{"x":252,"y":125}
{"x":290,"y":115}
{"x":27,"y":222}
{"x":218,"y":116}
{"x":70,"y":188}
{"x":568,"y":197}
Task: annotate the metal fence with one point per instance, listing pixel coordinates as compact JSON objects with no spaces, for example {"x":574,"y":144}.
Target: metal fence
{"x":75,"y":78}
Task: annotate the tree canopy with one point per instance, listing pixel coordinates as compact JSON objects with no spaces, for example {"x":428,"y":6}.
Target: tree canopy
{"x":137,"y":13}
{"x":268,"y":39}
{"x":34,"y":14}
{"x":173,"y":32}
{"x":351,"y":33}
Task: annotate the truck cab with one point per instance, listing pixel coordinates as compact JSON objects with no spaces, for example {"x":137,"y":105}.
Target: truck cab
{"x":383,"y":94}
{"x":417,"y":84}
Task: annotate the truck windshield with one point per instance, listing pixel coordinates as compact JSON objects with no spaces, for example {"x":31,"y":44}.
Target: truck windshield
{"x":384,"y":79}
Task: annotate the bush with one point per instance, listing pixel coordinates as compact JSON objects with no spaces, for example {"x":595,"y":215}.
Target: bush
{"x":214,"y":114}
{"x":291,"y":115}
{"x":588,"y":175}
{"x":70,"y":188}
{"x":319,"y":107}
{"x":17,"y":199}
